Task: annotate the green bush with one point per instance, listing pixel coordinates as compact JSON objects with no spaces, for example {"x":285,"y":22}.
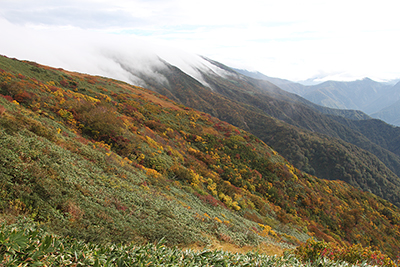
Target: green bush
{"x":29,"y":245}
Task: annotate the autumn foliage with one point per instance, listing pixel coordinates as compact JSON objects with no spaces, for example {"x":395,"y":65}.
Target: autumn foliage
{"x":122,"y":141}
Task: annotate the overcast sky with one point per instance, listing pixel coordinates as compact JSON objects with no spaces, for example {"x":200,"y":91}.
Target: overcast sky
{"x":292,"y":39}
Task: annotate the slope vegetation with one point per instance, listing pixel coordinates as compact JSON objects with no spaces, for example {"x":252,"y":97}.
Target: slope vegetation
{"x":102,"y":160}
{"x":291,"y":126}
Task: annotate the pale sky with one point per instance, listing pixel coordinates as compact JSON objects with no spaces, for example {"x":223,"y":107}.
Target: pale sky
{"x":291,"y":39}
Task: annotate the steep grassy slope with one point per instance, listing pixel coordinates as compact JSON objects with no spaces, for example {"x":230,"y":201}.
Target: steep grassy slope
{"x":260,"y":108}
{"x":102,"y":160}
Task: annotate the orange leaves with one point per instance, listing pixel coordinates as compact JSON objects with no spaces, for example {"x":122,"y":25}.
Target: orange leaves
{"x":20,"y":76}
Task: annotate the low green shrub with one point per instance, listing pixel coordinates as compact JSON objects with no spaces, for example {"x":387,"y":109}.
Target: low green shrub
{"x":29,"y":245}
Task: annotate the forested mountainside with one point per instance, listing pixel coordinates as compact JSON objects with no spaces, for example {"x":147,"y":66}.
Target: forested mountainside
{"x":101,"y":160}
{"x":290,"y":125}
{"x":385,"y":135}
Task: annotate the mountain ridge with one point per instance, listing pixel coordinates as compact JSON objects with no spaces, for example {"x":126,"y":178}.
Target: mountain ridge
{"x":239,"y":100}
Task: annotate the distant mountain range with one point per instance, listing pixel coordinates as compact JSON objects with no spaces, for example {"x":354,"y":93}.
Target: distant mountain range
{"x":377,"y":99}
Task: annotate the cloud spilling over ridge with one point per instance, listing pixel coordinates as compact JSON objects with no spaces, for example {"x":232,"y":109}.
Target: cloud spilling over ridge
{"x":288,"y":39}
{"x":120,"y":57}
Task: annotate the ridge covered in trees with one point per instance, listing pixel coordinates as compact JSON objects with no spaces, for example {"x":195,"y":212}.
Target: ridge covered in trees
{"x":314,"y":139}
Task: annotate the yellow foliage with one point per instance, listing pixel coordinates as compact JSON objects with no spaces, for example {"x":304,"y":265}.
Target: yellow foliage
{"x":17,"y":205}
{"x":175,"y":153}
{"x":86,"y":97}
{"x":193,"y":150}
{"x":237,"y":197}
{"x":235,"y":206}
{"x":328,"y":190}
{"x":237,"y":138}
{"x":292,"y":170}
{"x":212,"y":186}
{"x":103,"y":145}
{"x":105,"y":97}
{"x":198,"y":139}
{"x":153,"y":173}
{"x":51,"y":83}
{"x":153,"y":143}
{"x":217,"y":219}
{"x":252,"y":188}
{"x":66,"y":115}
{"x":228,"y":201}
{"x":196,"y":179}
{"x":127,"y":160}
{"x":58,"y":93}
{"x":177,"y":184}
{"x":267,"y":230}
{"x":194,"y":117}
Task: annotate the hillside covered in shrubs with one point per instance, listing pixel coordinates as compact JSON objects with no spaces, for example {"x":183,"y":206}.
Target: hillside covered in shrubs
{"x":103,"y":161}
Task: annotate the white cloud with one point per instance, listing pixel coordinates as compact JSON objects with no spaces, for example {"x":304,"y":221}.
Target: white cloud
{"x":110,"y":55}
{"x":288,"y":39}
